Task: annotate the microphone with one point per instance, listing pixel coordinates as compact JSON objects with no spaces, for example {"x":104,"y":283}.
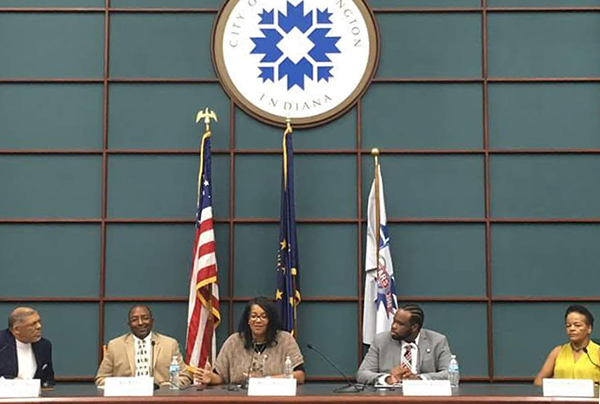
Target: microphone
{"x":249,"y":368}
{"x":350,"y":387}
{"x":156,"y":385}
{"x":590,"y":358}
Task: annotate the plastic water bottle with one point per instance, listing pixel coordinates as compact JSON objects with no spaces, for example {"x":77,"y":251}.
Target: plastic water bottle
{"x":453,"y":372}
{"x":174,"y":374}
{"x":287,"y":368}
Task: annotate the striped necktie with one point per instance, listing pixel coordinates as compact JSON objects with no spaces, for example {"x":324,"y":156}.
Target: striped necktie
{"x":407,"y":360}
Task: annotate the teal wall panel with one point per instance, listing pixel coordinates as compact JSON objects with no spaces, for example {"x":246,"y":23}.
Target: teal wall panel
{"x":166,"y":3}
{"x":543,"y":3}
{"x":166,"y":45}
{"x":162,"y":186}
{"x":438,"y":259}
{"x":541,"y":45}
{"x":325,"y":186}
{"x":417,"y":45}
{"x":544,"y":258}
{"x":255,"y":260}
{"x":428,"y":185}
{"x":415,"y":116}
{"x":424,"y":3}
{"x":56,"y":186}
{"x":325,"y":325}
{"x":49,"y":260}
{"x":544,"y":115}
{"x":262,"y":198}
{"x":464,"y":324}
{"x":51,"y":45}
{"x":339,"y":134}
{"x":51,"y":116}
{"x":163,"y":116}
{"x":148,"y":259}
{"x":156,"y":259}
{"x":545,"y":186}
{"x":317,"y":176}
{"x":74,"y":353}
{"x":53,"y":3}
{"x":326,"y":272}
{"x":513,"y":320}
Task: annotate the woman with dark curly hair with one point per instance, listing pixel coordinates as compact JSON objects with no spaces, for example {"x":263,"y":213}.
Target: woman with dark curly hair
{"x":258,"y":349}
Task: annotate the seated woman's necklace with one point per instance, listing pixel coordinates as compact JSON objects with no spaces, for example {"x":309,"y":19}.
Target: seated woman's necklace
{"x":260,"y":347}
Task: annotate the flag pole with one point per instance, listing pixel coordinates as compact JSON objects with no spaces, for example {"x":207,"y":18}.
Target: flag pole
{"x":375,"y":154}
{"x":288,"y":131}
{"x":206,"y":115}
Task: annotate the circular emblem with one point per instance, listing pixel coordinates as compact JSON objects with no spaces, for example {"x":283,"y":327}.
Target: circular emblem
{"x":307,"y":60}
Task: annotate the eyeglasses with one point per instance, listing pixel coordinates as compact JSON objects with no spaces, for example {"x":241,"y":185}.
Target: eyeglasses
{"x":256,"y":317}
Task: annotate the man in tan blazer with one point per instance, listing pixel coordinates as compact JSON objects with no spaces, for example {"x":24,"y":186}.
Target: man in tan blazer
{"x":142,"y":352}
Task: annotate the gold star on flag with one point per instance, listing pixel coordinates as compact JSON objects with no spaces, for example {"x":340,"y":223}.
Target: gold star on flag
{"x":278,"y":294}
{"x":283,"y":244}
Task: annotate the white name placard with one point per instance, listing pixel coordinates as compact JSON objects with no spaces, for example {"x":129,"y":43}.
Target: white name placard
{"x":426,"y":388}
{"x":11,"y":388}
{"x":568,"y":387}
{"x":265,"y":386}
{"x":128,"y":386}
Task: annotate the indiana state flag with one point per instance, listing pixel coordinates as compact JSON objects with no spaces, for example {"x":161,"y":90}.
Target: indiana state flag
{"x":287,"y":296}
{"x":380,"y":289}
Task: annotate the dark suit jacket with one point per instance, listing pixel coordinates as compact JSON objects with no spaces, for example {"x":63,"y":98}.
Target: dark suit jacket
{"x":9,"y":365}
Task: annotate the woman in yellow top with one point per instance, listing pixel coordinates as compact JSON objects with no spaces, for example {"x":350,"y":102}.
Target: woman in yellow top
{"x":579,"y":359}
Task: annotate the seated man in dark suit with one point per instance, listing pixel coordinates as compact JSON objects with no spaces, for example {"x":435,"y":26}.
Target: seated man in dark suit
{"x":142,"y":352}
{"x":24,"y":354}
{"x":407,"y":351}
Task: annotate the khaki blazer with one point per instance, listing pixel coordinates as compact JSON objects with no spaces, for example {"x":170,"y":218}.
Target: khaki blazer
{"x":119,"y":360}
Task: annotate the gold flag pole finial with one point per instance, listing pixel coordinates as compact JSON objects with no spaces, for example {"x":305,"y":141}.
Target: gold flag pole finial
{"x":288,"y":125}
{"x":288,"y":130}
{"x":375,"y":154}
{"x":207,"y":115}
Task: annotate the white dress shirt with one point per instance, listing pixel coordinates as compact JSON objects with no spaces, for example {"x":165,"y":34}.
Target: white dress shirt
{"x":26,"y":360}
{"x":143,"y":355}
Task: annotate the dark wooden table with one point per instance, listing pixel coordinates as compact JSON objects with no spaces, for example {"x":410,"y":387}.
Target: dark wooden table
{"x":312,"y":393}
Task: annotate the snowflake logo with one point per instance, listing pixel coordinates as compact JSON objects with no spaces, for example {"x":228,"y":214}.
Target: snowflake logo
{"x":295,"y":45}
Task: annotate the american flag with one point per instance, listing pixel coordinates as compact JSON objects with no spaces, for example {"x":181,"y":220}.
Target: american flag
{"x":203,"y":310}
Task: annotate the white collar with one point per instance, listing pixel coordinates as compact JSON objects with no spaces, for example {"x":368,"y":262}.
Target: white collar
{"x":22,"y":345}
{"x":415,"y":343}
{"x":147,"y":340}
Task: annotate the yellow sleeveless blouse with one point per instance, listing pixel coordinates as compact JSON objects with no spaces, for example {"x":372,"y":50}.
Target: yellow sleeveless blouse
{"x":566,"y":368}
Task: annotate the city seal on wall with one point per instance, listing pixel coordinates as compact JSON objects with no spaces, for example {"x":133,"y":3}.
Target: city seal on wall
{"x":307,"y":60}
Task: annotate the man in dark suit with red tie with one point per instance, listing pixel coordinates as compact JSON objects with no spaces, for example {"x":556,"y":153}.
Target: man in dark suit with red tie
{"x":24,"y":354}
